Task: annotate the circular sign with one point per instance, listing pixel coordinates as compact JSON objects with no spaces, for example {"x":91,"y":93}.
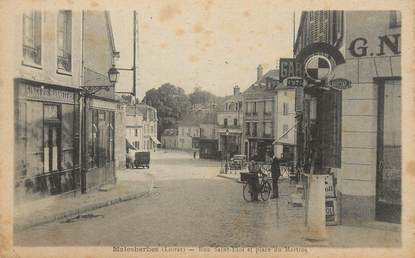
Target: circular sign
{"x":317,"y":67}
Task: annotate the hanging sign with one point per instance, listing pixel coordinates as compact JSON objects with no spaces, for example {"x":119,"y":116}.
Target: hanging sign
{"x":294,"y":82}
{"x":318,"y":67}
{"x":331,"y":214}
{"x":340,"y":84}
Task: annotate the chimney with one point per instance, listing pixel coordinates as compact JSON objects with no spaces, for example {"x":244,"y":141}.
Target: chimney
{"x":259,"y":71}
{"x":236,"y":91}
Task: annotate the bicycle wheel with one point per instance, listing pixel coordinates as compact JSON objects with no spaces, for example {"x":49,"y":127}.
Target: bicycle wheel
{"x":247,"y":193}
{"x":265,"y":191}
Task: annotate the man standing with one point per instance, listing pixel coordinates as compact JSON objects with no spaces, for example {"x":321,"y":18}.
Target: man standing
{"x":275,"y":173}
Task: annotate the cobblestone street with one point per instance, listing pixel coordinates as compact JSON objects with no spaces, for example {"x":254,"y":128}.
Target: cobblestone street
{"x":190,"y":206}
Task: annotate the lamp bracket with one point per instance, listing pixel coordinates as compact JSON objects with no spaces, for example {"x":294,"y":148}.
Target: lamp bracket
{"x":88,"y":91}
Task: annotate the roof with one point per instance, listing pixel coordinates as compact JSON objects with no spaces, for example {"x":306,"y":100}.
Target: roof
{"x":260,"y":86}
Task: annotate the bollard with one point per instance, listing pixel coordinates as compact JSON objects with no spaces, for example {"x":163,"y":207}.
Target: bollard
{"x":316,"y":209}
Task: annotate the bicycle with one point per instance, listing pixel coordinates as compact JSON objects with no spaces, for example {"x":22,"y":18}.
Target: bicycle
{"x":264,"y":188}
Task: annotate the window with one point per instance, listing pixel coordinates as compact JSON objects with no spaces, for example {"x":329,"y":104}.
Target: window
{"x":254,"y":129}
{"x":182,"y":131}
{"x":284,"y":108}
{"x":251,"y":107}
{"x":395,"y":19}
{"x":247,"y":128}
{"x":225,"y":122}
{"x":188,"y":131}
{"x":267,"y":128}
{"x":32,"y":31}
{"x":235,"y":121}
{"x":64,"y":58}
{"x":136,"y":132}
{"x":240,"y":105}
{"x":268,"y":107}
{"x":284,"y":131}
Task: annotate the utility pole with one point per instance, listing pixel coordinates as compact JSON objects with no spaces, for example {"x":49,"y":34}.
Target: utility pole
{"x":134,"y":52}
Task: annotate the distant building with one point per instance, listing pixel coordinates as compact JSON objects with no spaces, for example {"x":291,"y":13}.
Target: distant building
{"x":169,"y":139}
{"x":285,"y":129}
{"x":188,"y":133}
{"x":230,"y":123}
{"x":134,"y":127}
{"x":150,"y":120}
{"x":259,"y":108}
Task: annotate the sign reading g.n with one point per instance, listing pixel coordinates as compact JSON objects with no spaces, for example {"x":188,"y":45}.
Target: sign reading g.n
{"x":290,"y":68}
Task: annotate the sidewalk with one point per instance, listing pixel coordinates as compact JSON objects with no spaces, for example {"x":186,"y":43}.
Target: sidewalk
{"x":286,"y":223}
{"x":131,"y":184}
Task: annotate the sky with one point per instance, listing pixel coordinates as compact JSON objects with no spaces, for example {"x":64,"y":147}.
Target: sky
{"x":206,"y":44}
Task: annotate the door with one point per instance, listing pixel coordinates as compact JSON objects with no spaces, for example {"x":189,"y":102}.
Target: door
{"x":388,"y":176}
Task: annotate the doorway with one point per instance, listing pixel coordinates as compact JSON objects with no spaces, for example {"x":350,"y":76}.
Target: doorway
{"x":388,"y":174}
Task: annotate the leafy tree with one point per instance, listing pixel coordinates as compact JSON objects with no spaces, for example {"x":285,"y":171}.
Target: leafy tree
{"x":199,"y":96}
{"x":171,"y":103}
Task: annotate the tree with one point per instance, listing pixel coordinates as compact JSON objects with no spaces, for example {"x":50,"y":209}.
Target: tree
{"x":199,"y":96}
{"x":171,"y":103}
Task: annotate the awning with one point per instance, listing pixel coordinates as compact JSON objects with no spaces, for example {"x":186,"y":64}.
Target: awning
{"x":154,"y":139}
{"x":128,"y":145}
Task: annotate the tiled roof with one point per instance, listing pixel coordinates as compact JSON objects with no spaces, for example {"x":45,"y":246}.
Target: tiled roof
{"x":260,"y":86}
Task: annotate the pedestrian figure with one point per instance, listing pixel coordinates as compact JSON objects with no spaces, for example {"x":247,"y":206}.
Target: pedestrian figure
{"x":194,"y":155}
{"x":275,"y":173}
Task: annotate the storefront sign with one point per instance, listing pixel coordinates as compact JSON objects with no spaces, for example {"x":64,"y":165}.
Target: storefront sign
{"x":331,"y":214}
{"x":48,"y":94}
{"x":294,"y":82}
{"x":340,"y":84}
{"x":318,"y":67}
{"x":385,"y":45}
{"x":329,"y":187}
{"x":289,"y":67}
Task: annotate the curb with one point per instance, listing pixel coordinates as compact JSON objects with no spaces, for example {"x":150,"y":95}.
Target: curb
{"x":86,"y":208}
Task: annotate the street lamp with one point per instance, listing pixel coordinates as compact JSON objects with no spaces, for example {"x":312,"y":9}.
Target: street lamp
{"x":113,"y":74}
{"x":226,"y":150}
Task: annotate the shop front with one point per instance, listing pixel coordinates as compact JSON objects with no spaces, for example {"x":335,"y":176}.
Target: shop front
{"x":100,"y":142}
{"x":46,"y":140}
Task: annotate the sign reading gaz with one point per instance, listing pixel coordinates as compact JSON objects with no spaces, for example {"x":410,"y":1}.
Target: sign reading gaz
{"x":290,"y":68}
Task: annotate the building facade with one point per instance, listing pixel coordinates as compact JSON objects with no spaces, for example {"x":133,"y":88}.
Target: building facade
{"x":169,"y":139}
{"x":150,"y":120}
{"x":360,"y":126}
{"x":258,"y":118}
{"x":49,"y":107}
{"x":134,"y":127}
{"x":285,"y":129}
{"x":101,"y":107}
{"x":230,"y":122}
{"x":47,"y":104}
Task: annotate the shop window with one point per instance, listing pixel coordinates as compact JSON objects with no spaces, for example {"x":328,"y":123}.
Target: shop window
{"x":64,"y":58}
{"x":51,"y":138}
{"x":32,"y":41}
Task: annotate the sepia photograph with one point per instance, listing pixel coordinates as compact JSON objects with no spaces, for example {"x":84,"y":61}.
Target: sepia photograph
{"x":208,"y":128}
